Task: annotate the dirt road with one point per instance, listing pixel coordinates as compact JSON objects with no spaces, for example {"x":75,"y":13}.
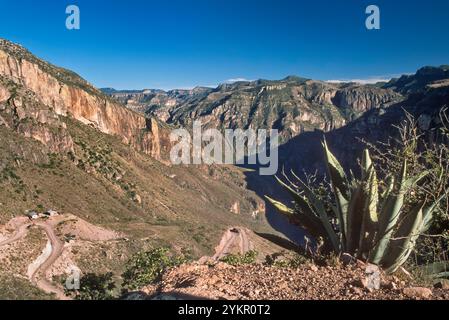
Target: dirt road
{"x":20,"y":233}
{"x":232,"y":238}
{"x":39,"y":275}
{"x":57,"y":247}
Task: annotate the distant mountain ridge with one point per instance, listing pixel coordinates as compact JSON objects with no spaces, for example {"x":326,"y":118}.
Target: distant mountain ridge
{"x":147,"y":99}
{"x":292,"y":105}
{"x":418,"y":82}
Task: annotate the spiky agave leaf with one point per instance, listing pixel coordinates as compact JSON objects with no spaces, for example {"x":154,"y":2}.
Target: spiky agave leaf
{"x":388,"y":190}
{"x":320,"y":210}
{"x":370,"y":218}
{"x":282,"y":208}
{"x":391,"y":211}
{"x":313,"y":229}
{"x":309,"y":219}
{"x":427,"y":215}
{"x":341,"y":188}
{"x":337,"y":173}
{"x":412,"y":181}
{"x":389,"y":216}
{"x":342,"y":214}
{"x":355,"y":218}
{"x":401,"y":246}
{"x":367,"y":165}
{"x":429,"y":210}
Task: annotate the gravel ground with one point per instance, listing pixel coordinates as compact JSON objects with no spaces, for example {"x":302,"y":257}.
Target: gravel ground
{"x":259,"y":282}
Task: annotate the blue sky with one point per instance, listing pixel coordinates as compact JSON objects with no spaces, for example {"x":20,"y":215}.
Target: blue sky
{"x":179,"y":44}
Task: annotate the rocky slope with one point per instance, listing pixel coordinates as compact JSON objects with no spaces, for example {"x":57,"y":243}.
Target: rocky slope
{"x":292,"y":105}
{"x":66,"y":94}
{"x":263,"y":282}
{"x":77,"y":125}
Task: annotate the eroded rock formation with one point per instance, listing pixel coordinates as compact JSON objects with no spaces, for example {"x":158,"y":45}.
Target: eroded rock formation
{"x":66,"y":94}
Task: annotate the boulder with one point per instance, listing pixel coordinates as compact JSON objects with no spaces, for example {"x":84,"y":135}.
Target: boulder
{"x":373,"y":277}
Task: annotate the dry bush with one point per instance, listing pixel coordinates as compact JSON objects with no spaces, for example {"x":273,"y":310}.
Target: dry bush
{"x":424,"y":150}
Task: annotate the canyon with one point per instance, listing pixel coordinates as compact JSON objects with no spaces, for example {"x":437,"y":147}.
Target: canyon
{"x":293,"y":105}
{"x":67,"y":146}
{"x":103,"y":156}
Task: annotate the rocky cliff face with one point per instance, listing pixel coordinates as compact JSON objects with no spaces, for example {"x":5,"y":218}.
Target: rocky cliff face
{"x":360,"y":99}
{"x":65,"y":94}
{"x":427,"y":95}
{"x":23,"y":112}
{"x":292,"y":105}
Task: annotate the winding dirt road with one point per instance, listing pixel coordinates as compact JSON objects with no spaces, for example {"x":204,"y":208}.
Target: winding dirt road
{"x":57,"y":248}
{"x":39,"y":275}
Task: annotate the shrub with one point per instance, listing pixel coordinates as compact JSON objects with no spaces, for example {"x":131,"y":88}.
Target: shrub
{"x":239,"y":259}
{"x":282,"y":261}
{"x":95,"y":287}
{"x":147,"y":267}
{"x":424,"y":150}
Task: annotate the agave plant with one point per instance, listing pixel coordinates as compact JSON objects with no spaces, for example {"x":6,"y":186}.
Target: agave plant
{"x":375,"y":226}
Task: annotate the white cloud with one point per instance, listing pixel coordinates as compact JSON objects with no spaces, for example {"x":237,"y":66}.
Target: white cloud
{"x":237,"y":80}
{"x":369,"y":80}
{"x":362,"y":81}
